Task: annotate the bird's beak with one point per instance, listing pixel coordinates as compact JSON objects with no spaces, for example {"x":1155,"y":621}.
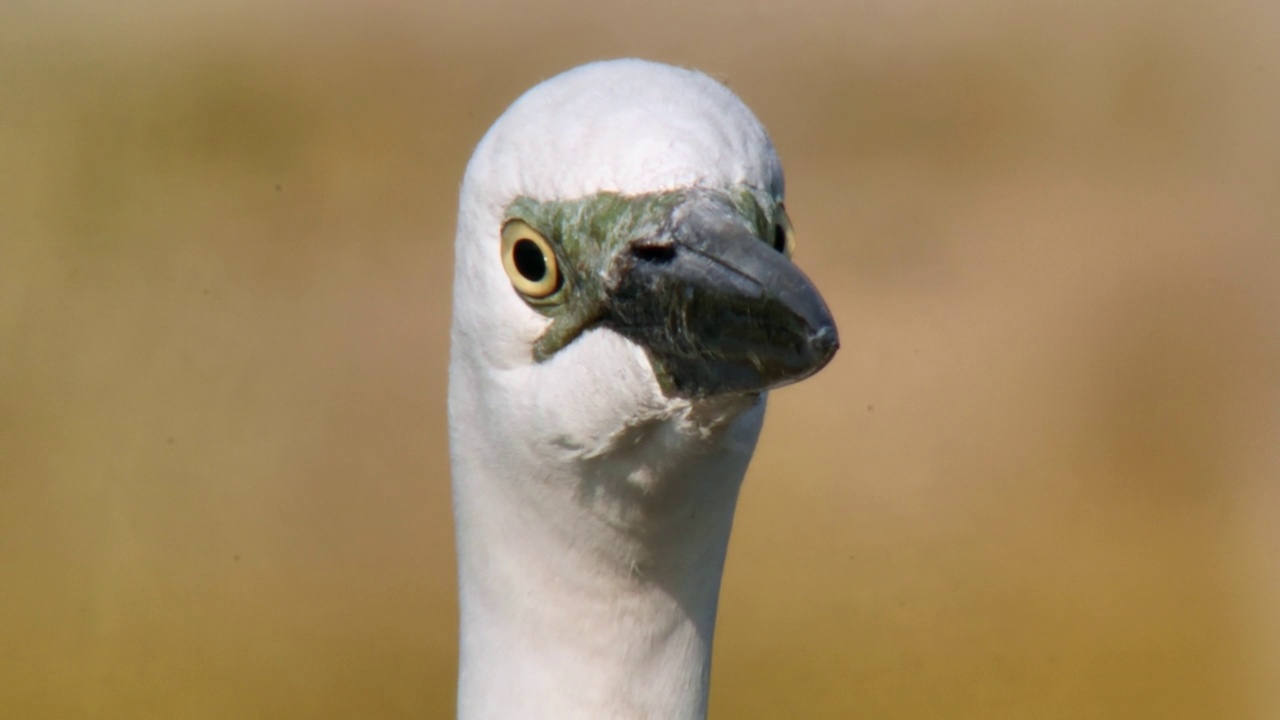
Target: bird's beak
{"x":719,"y":310}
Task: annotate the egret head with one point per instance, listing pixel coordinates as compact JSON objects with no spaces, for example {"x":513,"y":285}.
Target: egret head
{"x":626,"y":219}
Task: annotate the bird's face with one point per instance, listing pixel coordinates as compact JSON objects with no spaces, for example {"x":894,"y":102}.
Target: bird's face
{"x":623,"y":254}
{"x":700,"y":279}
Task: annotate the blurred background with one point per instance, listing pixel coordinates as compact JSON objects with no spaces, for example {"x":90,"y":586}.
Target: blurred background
{"x":1038,"y":481}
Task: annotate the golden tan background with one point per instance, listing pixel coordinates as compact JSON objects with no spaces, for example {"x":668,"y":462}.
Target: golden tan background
{"x":1039,"y":481}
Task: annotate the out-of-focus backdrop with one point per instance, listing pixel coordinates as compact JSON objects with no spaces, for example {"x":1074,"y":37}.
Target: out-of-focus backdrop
{"x":1040,"y":480}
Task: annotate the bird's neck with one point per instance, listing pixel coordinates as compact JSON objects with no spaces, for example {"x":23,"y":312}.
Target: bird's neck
{"x":589,"y":583}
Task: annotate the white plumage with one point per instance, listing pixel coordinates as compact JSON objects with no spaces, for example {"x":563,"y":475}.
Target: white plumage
{"x":593,"y":497}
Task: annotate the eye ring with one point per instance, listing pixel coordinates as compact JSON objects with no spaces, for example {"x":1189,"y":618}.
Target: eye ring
{"x":784,"y":235}
{"x":530,"y":261}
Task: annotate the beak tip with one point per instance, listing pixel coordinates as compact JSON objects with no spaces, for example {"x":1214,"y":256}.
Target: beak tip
{"x":823,"y":343}
{"x":825,"y":339}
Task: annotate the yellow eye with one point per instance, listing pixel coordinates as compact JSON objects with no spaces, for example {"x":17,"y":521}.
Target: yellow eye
{"x":784,"y":236}
{"x":529,"y":260}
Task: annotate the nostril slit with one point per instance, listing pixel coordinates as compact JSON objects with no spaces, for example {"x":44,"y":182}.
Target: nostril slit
{"x":654,"y":253}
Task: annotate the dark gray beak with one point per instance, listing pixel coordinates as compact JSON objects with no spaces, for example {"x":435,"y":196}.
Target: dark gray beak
{"x":719,"y":310}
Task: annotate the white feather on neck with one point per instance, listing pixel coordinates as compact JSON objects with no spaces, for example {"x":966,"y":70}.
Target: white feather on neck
{"x":590,"y":561}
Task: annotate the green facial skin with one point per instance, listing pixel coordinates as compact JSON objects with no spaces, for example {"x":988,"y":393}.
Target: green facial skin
{"x":692,"y":276}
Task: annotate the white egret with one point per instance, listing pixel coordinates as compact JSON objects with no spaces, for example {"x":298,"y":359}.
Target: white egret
{"x":623,"y":298}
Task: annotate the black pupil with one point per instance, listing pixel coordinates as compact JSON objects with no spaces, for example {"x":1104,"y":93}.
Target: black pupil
{"x":529,"y":260}
{"x":779,"y":238}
